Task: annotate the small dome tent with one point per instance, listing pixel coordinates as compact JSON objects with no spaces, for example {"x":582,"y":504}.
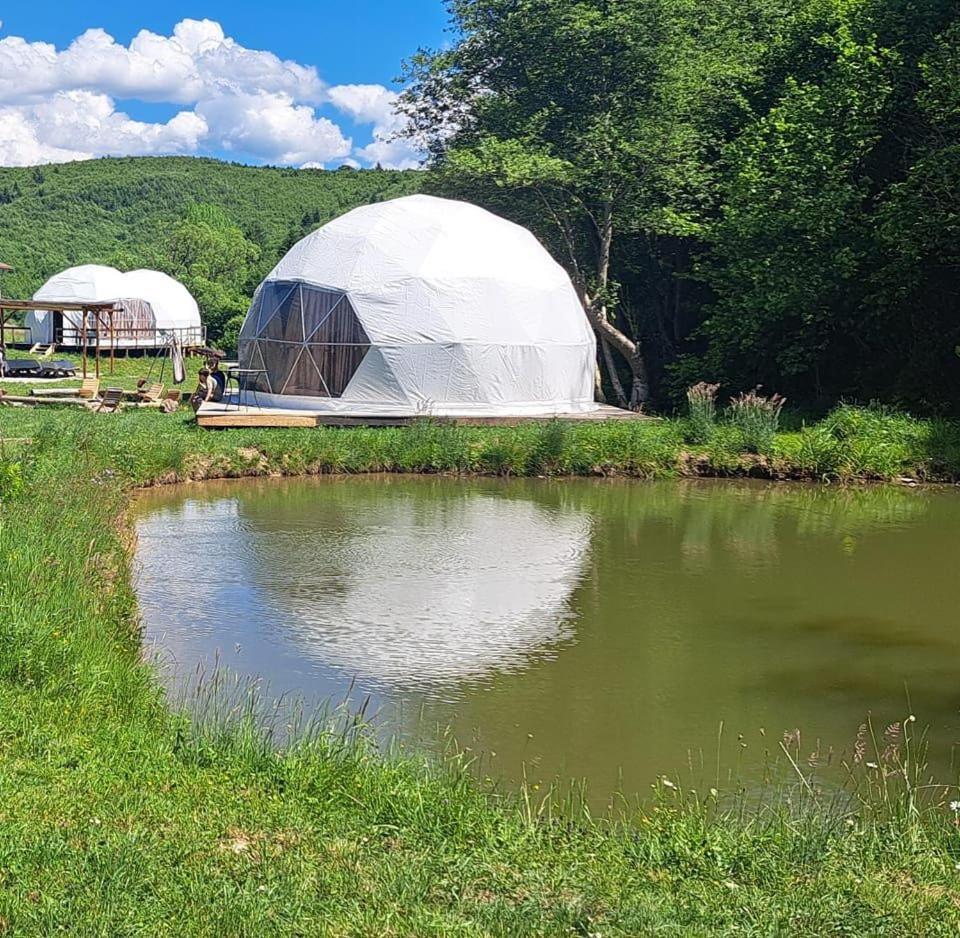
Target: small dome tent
{"x":419,"y":305}
{"x":151,"y":307}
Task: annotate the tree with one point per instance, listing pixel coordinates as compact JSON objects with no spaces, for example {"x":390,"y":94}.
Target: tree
{"x":599,"y":117}
{"x":213,"y":259}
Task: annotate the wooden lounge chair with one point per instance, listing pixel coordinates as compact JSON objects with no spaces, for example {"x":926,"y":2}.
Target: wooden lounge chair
{"x":90,"y":387}
{"x":110,"y":401}
{"x":151,"y":393}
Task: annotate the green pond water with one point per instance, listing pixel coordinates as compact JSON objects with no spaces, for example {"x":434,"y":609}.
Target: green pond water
{"x":575,"y":629}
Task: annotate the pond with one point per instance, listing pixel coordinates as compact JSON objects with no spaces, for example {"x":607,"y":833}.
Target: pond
{"x":580,"y":629}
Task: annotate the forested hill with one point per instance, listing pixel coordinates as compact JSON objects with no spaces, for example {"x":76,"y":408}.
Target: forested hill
{"x":116,"y":210}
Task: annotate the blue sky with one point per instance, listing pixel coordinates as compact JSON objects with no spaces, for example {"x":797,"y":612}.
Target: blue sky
{"x":294,"y":83}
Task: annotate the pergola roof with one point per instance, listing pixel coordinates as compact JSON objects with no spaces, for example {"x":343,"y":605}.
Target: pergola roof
{"x":18,"y":305}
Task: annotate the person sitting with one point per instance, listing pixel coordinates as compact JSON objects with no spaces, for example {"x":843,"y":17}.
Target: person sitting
{"x":213,"y":364}
{"x":207,"y":390}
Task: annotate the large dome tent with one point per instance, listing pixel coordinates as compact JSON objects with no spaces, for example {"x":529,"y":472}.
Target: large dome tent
{"x":151,"y":307}
{"x":419,"y":305}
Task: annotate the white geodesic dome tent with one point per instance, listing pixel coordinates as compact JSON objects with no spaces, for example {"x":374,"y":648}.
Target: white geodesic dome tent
{"x":152,"y":306}
{"x":415,"y":306}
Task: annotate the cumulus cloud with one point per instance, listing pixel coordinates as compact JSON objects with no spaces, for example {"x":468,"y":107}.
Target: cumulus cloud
{"x":273,"y":128}
{"x":59,"y":104}
{"x":76,"y":125}
{"x":374,"y":104}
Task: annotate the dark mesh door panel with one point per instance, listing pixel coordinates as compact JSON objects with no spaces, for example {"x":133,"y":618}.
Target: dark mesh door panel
{"x":341,"y":327}
{"x":338,"y":364}
{"x":317,"y":305}
{"x":304,"y":379}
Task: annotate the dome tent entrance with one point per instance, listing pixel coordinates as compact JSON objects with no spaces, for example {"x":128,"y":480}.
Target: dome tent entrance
{"x":151,"y":307}
{"x":415,"y":306}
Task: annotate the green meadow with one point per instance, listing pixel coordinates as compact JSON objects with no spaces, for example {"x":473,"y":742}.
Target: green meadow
{"x":120,"y":815}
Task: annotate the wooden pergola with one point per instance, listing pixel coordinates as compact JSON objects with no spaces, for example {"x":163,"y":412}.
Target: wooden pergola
{"x":102,"y":314}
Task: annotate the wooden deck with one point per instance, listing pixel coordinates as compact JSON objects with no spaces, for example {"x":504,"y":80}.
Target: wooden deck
{"x":221,"y":416}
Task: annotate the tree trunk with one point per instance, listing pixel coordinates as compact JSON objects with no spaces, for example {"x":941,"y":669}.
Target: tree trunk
{"x":640,"y":392}
{"x":615,"y":381}
{"x":598,"y":394}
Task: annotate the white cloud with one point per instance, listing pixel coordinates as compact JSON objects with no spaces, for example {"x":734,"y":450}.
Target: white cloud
{"x":250,"y":103}
{"x":374,"y":104}
{"x":76,"y":125}
{"x":273,"y":128}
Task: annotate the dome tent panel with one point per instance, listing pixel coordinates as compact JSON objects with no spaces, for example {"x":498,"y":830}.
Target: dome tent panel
{"x":285,"y":323}
{"x":456,"y":310}
{"x":87,"y":283}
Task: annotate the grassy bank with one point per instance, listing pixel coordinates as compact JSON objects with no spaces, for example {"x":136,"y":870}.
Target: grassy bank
{"x":850,"y":444}
{"x":119,"y":817}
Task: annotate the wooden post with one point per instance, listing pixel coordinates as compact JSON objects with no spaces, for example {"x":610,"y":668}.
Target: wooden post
{"x":113,"y":339}
{"x":3,"y":328}
{"x":96,"y":338}
{"x":83,"y":338}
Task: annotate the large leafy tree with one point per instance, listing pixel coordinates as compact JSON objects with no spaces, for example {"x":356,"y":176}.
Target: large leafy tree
{"x":832,"y":262}
{"x":213,"y":259}
{"x":598,"y":119}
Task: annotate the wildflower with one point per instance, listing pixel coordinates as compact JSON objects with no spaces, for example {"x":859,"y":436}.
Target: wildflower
{"x":955,"y":806}
{"x":667,"y":783}
{"x":871,"y":765}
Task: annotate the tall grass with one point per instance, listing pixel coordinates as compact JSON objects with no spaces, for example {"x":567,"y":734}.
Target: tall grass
{"x":757,"y":418}
{"x":702,"y":411}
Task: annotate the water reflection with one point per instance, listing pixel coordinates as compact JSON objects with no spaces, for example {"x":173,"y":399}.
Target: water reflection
{"x":410,"y":593}
{"x":381,"y":584}
{"x":574,"y":628}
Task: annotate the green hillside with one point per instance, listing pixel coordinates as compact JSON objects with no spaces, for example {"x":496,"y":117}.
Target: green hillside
{"x":55,"y":216}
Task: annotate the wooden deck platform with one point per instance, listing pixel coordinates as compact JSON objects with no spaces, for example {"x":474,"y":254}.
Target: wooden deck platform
{"x":224,"y":415}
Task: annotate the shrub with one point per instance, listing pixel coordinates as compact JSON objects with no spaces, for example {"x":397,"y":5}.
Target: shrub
{"x":757,"y":418}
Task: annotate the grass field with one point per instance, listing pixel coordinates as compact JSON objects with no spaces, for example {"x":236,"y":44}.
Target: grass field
{"x":121,"y":817}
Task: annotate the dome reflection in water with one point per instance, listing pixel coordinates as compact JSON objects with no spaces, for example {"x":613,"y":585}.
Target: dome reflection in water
{"x":575,"y":628}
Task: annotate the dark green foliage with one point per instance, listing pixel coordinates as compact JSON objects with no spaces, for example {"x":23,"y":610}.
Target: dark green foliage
{"x":783,"y":181}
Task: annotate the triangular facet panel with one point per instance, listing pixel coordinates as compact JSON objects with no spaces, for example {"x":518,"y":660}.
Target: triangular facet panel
{"x":341,"y":327}
{"x":278,"y":360}
{"x":258,"y":382}
{"x":304,"y":379}
{"x":337,"y":364}
{"x":274,"y":294}
{"x":317,"y":305}
{"x":286,"y":324}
